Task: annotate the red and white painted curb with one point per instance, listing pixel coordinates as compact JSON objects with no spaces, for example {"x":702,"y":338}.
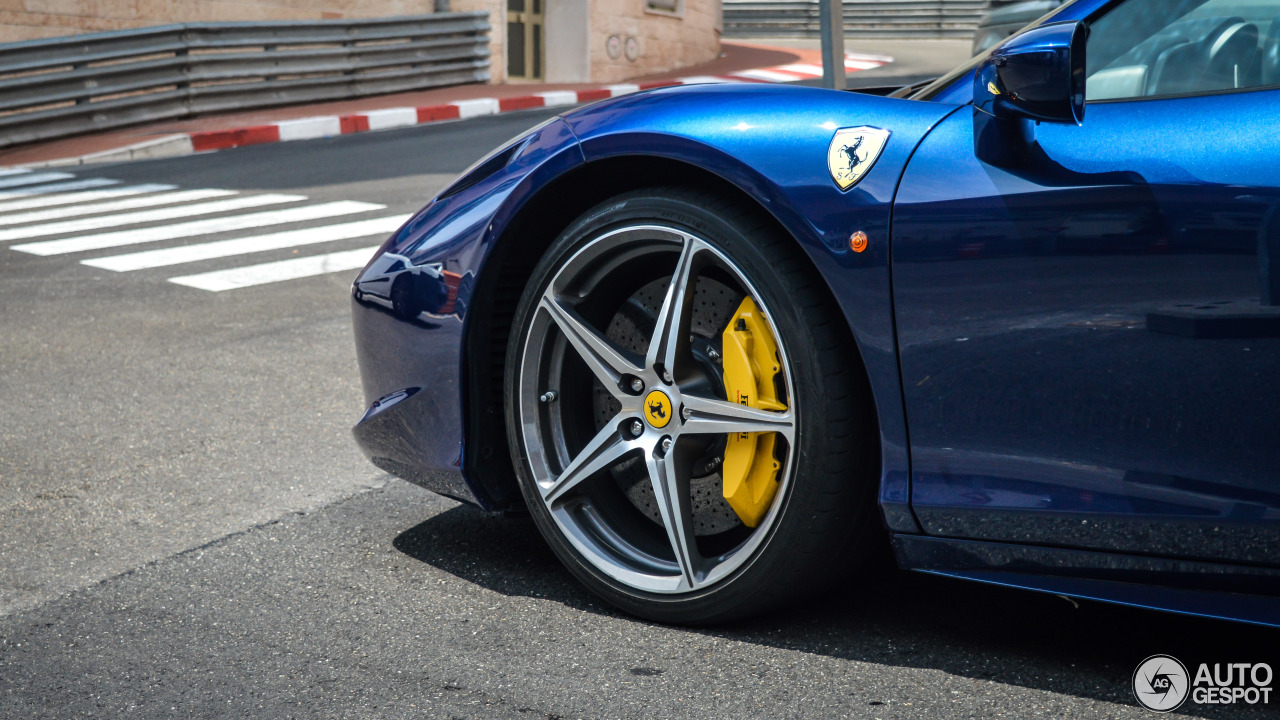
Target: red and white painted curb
{"x":386,"y":118}
{"x":322,"y":126}
{"x":330,"y":125}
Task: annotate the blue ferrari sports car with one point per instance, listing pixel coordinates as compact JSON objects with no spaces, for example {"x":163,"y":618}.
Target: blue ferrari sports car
{"x":728,"y":342}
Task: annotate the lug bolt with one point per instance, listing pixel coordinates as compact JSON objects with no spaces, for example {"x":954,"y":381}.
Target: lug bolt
{"x":637,"y":428}
{"x":666,"y":377}
{"x":685,"y":413}
{"x":666,"y":444}
{"x":637,"y":385}
{"x":549,"y":396}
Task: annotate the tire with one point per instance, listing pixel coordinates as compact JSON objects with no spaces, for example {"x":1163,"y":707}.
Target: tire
{"x":622,"y":493}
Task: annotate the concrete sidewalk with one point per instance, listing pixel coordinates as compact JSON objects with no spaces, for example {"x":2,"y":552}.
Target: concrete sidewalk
{"x":739,"y":62}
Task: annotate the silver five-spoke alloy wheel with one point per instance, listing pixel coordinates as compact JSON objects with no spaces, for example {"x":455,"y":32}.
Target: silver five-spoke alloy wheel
{"x":667,"y":369}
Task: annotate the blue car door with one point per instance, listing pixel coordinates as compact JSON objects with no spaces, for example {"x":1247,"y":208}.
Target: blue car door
{"x":1090,"y":339}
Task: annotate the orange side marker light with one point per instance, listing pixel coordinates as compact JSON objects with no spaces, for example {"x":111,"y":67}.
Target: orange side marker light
{"x":858,"y":241}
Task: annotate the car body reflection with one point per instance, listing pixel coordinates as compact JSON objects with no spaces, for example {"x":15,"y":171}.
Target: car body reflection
{"x":393,"y":282}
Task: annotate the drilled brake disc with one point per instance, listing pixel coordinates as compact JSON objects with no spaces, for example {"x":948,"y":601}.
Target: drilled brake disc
{"x":630,"y":328}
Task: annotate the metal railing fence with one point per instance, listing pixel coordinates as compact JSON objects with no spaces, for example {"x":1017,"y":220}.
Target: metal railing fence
{"x":65,"y":86}
{"x":862,"y":18}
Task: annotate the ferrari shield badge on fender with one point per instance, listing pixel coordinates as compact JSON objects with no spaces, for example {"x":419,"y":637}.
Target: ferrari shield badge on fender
{"x":852,"y":153}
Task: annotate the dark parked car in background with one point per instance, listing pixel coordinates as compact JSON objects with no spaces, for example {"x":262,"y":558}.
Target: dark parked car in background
{"x":1007,"y":18}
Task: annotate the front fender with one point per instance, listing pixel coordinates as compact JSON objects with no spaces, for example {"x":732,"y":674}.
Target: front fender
{"x":771,"y":142}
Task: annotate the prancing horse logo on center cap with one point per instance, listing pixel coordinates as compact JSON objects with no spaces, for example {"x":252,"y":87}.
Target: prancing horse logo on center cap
{"x":657,"y":409}
{"x":852,"y":153}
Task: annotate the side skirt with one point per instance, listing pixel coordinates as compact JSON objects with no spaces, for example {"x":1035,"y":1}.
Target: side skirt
{"x":1212,"y":590}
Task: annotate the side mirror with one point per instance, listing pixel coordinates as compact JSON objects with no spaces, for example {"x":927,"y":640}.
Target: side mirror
{"x":1038,"y":75}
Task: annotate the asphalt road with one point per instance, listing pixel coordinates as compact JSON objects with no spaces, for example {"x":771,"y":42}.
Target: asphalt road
{"x":187,"y":529}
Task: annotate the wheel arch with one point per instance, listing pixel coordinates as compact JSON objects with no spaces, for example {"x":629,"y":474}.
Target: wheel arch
{"x":509,"y":264}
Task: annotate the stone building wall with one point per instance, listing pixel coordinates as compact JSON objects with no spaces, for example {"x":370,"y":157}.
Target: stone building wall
{"x":578,"y":37}
{"x":649,"y":42}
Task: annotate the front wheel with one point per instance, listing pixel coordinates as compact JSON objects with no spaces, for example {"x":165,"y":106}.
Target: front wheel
{"x":687,"y":417}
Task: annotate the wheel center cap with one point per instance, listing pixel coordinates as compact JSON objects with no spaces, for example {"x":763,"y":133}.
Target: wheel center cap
{"x":657,"y":408}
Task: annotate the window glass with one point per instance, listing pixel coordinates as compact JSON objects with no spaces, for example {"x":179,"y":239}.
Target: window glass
{"x":1158,"y":48}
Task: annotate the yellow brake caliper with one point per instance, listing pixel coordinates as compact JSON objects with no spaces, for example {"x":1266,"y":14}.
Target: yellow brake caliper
{"x":751,"y":363}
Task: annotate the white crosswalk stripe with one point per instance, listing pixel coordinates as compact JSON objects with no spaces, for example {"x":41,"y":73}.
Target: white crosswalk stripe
{"x":242,"y":246}
{"x":58,"y":187}
{"x":113,"y":206}
{"x":146,"y":216}
{"x":59,"y":214}
{"x":39,"y":201}
{"x":32,"y":178}
{"x":220,"y":280}
{"x":196,"y":227}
